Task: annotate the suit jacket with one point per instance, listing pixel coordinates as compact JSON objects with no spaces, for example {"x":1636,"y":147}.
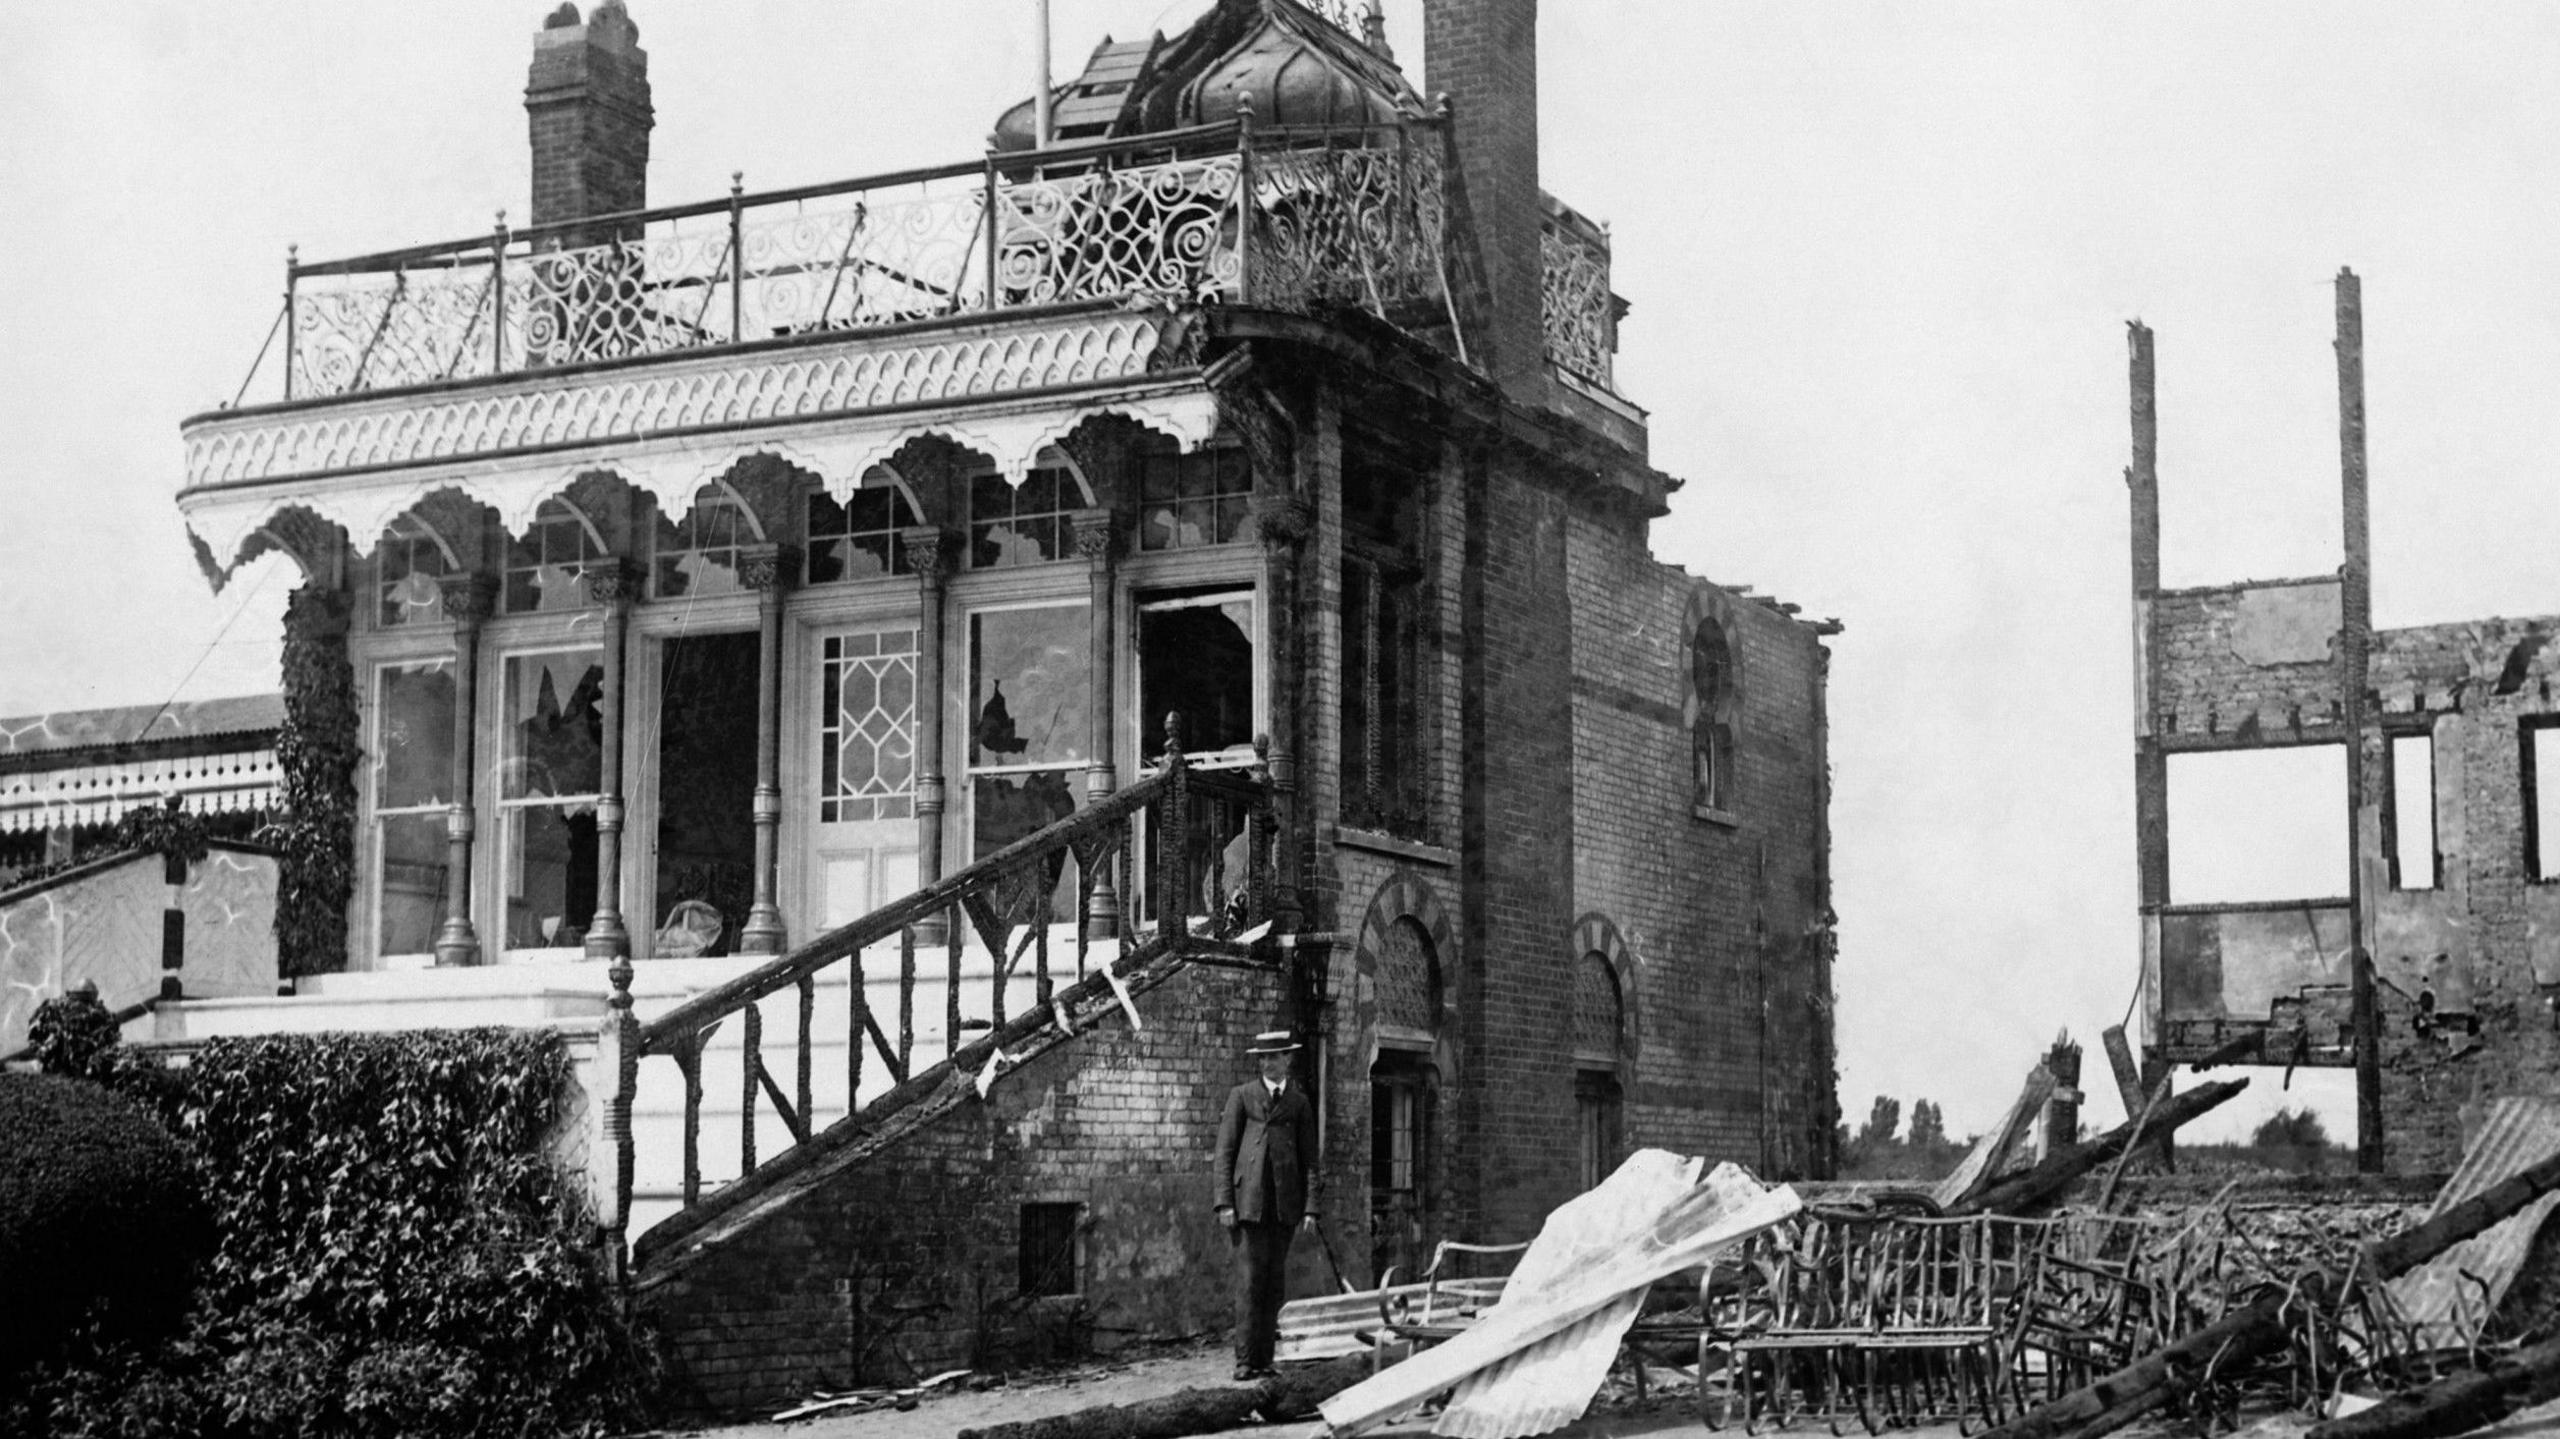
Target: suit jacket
{"x":1267,"y":1154}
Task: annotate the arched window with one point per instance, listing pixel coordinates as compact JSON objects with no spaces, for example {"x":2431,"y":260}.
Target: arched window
{"x":1711,"y":684}
{"x":408,"y":565}
{"x":1599,"y":1024}
{"x":545,"y":566}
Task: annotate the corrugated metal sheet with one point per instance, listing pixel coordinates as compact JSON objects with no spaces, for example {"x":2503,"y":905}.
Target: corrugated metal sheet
{"x":2450,"y":1298}
{"x":1548,"y":1385}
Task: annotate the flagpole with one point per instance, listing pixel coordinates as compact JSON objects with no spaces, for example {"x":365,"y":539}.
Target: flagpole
{"x":1040,"y":96}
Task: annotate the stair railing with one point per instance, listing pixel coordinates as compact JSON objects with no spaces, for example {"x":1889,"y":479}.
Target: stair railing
{"x":1010,"y":901}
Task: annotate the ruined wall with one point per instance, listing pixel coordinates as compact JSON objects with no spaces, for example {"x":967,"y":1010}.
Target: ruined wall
{"x":908,"y":1263}
{"x":2248,"y":664}
{"x":1723,"y":912}
{"x":2467,"y":968}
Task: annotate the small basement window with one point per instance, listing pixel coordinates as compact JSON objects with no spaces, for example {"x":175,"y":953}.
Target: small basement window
{"x":1049,"y":1249}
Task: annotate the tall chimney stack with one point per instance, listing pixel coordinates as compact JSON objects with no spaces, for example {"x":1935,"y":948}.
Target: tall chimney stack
{"x":1483,"y":55}
{"x":587,"y":101}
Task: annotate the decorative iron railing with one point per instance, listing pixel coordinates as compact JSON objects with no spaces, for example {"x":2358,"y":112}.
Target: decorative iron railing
{"x":1150,"y":874}
{"x":1290,"y":218}
{"x":1580,"y":311}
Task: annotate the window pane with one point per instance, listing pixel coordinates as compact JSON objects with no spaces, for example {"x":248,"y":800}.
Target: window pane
{"x":551,"y":874}
{"x":554,"y":723}
{"x":411,"y":900}
{"x":1008,"y":807}
{"x":1030,"y":686}
{"x":413,"y":737}
{"x":866,"y":744}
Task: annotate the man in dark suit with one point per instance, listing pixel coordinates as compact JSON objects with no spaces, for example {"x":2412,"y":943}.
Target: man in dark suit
{"x":1267,"y":1174}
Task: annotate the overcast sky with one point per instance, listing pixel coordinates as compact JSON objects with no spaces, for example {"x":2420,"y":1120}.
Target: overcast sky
{"x":1880,"y":259}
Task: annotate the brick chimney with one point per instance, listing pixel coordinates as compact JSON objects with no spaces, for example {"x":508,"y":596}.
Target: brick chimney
{"x":587,"y":100}
{"x":1483,"y":55}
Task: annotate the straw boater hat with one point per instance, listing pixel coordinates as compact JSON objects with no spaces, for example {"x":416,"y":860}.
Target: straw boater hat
{"x":1273,"y":1041}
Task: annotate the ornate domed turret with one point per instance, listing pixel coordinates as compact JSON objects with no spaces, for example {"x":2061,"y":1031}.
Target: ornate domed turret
{"x":1294,"y":67}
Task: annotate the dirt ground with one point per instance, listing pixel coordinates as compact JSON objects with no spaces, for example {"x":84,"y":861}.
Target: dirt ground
{"x":943,"y":1415}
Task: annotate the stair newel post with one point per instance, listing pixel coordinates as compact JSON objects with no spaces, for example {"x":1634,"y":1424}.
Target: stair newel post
{"x":750,"y":1059}
{"x":618,"y":1055}
{"x":1173,"y":843}
{"x":808,"y":1022}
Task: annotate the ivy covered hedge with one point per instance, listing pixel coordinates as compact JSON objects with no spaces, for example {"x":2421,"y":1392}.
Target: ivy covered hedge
{"x":395,"y":1255}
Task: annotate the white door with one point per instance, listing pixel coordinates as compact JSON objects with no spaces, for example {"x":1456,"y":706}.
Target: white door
{"x":862,"y":803}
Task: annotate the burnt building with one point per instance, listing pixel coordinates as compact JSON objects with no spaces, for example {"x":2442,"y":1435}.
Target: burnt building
{"x":761,"y":621}
{"x":2443,"y":954}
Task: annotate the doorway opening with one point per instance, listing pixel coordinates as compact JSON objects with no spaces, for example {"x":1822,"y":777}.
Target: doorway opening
{"x":706,"y":768}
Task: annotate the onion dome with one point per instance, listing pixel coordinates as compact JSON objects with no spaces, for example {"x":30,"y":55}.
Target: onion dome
{"x":1294,"y":67}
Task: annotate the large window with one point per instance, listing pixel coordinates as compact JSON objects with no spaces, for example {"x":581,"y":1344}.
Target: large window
{"x":857,"y":540}
{"x":412,"y":758}
{"x":551,"y":771}
{"x":2412,"y":831}
{"x":1386,"y":713}
{"x":1195,"y":659}
{"x":546,"y":566}
{"x":1030,"y":715}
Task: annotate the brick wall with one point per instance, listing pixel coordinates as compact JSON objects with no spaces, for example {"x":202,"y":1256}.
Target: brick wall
{"x":1725,"y":915}
{"x":907,"y":1263}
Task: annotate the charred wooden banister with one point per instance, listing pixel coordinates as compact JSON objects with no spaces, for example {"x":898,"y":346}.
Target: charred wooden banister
{"x":1011,"y":892}
{"x":890,"y":919}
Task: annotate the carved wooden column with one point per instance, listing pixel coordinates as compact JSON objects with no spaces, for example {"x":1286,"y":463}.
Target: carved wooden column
{"x":767,"y":569}
{"x":930,"y":557}
{"x":1283,"y":522}
{"x":1099,"y":543}
{"x":468,"y":600}
{"x":614,"y":585}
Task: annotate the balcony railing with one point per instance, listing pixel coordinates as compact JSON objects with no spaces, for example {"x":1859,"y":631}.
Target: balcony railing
{"x":1285,"y":218}
{"x":1580,"y":312}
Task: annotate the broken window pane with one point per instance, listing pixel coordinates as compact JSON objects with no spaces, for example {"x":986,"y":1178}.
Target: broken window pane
{"x":1023,"y":525}
{"x":857,"y":540}
{"x":551,"y":754}
{"x":2413,"y":812}
{"x":700,"y":555}
{"x":407,"y":565}
{"x":544,"y":568}
{"x":2250,"y":825}
{"x":1195,"y":659}
{"x":1030,"y":697}
{"x":409,"y":898}
{"x":1200,"y":498}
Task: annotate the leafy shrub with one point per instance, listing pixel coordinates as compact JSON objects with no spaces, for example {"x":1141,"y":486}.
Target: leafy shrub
{"x":397,"y":1255}
{"x":101,"y":1224}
